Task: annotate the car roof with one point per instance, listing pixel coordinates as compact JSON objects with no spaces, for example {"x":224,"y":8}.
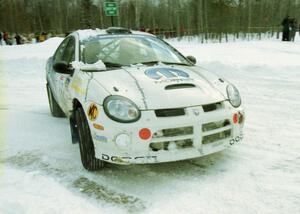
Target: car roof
{"x":87,"y":33}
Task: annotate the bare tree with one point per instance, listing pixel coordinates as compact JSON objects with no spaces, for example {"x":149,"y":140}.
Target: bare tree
{"x":210,"y":19}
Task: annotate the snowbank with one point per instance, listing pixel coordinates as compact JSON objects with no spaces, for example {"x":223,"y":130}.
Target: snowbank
{"x":41,"y":50}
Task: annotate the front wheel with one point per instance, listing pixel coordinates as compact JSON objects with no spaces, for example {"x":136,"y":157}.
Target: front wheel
{"x":86,"y":145}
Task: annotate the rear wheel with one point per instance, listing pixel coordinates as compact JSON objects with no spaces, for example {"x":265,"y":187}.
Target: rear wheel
{"x":54,"y":107}
{"x":86,"y":145}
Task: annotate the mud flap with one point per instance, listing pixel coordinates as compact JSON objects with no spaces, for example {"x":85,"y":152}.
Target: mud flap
{"x":74,"y":130}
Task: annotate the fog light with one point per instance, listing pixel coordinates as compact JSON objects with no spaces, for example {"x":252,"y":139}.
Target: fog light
{"x":145,"y":133}
{"x":122,"y":140}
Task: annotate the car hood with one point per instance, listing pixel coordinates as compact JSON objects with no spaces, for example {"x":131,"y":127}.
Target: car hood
{"x":161,"y":86}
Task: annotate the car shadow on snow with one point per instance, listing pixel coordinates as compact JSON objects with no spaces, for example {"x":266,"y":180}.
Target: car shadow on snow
{"x":75,"y":181}
{"x":154,"y":179}
{"x":126,"y":187}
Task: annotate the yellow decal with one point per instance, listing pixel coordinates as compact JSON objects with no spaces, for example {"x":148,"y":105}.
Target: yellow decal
{"x":78,"y":89}
{"x":76,"y":85}
{"x":93,"y":112}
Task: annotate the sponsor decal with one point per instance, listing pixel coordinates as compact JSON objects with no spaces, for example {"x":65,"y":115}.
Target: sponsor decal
{"x":170,"y":81}
{"x":166,"y":73}
{"x":92,"y":112}
{"x":99,"y":138}
{"x":98,"y":126}
{"x":75,"y":85}
{"x":127,"y":159}
{"x":67,"y":82}
{"x":78,"y":89}
{"x":235,"y":140}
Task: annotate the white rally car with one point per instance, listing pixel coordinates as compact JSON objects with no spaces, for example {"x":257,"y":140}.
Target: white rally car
{"x":131,"y":98}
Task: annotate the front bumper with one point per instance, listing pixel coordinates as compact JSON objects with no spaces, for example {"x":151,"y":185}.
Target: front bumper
{"x":195,"y":134}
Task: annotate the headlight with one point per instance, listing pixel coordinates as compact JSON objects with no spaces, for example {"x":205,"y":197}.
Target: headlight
{"x":121,"y":109}
{"x":233,"y":96}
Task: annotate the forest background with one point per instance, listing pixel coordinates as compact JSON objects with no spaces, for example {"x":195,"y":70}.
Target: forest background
{"x":209,"y":18}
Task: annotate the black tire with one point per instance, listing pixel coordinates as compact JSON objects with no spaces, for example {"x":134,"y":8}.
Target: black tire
{"x":54,"y":107}
{"x":86,"y":145}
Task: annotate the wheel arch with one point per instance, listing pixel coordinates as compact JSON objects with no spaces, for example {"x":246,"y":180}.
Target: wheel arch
{"x":73,"y":125}
{"x":76,"y":104}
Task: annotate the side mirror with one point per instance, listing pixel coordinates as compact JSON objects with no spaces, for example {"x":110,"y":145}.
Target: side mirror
{"x":192,"y":59}
{"x":63,"y":68}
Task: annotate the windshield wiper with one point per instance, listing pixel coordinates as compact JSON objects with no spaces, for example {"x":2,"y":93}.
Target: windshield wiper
{"x":167,"y":63}
{"x":112,"y":65}
{"x":147,"y":63}
{"x":176,"y":63}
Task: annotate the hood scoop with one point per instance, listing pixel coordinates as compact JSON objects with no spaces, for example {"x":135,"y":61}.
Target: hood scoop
{"x":179,"y":86}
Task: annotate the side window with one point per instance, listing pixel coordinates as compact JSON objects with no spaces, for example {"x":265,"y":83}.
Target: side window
{"x":69,"y":54}
{"x":60,"y":51}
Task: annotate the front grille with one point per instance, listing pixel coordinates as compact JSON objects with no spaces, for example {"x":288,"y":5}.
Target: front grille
{"x":217,"y":130}
{"x":212,"y":107}
{"x":215,"y":125}
{"x":169,"y":112}
{"x":170,"y":139}
{"x":215,"y":137}
{"x":171,"y":145}
{"x":173,"y":132}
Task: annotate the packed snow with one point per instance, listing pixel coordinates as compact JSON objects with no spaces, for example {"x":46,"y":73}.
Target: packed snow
{"x":41,"y":171}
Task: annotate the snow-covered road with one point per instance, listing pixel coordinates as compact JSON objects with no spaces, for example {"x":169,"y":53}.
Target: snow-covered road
{"x":41,"y":172}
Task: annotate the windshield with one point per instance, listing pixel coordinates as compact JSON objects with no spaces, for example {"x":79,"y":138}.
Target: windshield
{"x":125,"y":50}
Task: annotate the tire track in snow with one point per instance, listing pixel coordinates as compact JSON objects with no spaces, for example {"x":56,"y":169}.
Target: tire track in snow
{"x":99,"y":192}
{"x":31,"y":161}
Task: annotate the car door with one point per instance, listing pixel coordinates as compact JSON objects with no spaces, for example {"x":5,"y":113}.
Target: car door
{"x":65,"y":79}
{"x":55,"y":78}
